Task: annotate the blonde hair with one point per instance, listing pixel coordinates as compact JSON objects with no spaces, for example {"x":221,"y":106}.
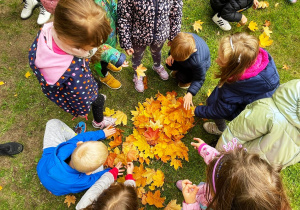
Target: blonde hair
{"x":89,"y":156}
{"x":236,"y":53}
{"x":82,"y":22}
{"x":182,"y":46}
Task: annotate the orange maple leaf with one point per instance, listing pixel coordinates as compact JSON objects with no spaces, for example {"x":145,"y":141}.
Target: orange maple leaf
{"x":110,"y":160}
{"x":158,"y":180}
{"x":267,"y":23}
{"x":145,"y":82}
{"x":117,"y":138}
{"x":138,"y":176}
{"x":173,"y":206}
{"x":70,"y":199}
{"x":151,"y":136}
{"x":285,"y":67}
{"x":155,"y":199}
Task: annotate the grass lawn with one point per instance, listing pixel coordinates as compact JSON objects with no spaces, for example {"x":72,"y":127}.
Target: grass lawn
{"x":25,"y":110}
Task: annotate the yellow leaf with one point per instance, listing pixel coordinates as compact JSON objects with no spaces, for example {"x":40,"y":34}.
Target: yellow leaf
{"x":121,"y":179}
{"x":267,"y":31}
{"x":173,"y":206}
{"x":155,"y":199}
{"x":2,"y":83}
{"x":155,"y":125}
{"x":121,"y":118}
{"x":108,"y":112}
{"x":149,"y":175}
{"x":285,"y":67}
{"x":276,"y":5}
{"x":140,"y":71}
{"x":1,"y":187}
{"x":252,"y":26}
{"x":16,"y":95}
{"x":208,"y":93}
{"x":197,"y":25}
{"x":264,"y":40}
{"x":238,"y":25}
{"x":27,"y":74}
{"x":263,"y":4}
{"x":70,"y":199}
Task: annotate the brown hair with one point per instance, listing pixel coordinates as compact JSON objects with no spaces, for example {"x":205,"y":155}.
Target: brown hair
{"x":82,"y":22}
{"x":245,"y":181}
{"x":117,"y":197}
{"x":236,"y":58}
{"x":182,"y":46}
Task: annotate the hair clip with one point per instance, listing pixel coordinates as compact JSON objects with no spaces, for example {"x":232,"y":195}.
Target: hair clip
{"x":232,"y":47}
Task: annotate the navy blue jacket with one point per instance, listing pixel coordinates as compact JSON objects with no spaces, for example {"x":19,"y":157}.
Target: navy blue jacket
{"x":230,"y":100}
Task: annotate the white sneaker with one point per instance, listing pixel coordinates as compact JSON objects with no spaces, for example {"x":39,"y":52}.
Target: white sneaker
{"x":212,"y":128}
{"x":223,"y":24}
{"x":44,"y":16}
{"x":29,"y":6}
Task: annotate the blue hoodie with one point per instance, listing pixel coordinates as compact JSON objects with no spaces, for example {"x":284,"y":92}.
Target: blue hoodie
{"x":57,"y":176}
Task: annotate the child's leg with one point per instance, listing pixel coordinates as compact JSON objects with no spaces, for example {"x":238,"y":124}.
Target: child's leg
{"x":56,"y":132}
{"x":221,"y":124}
{"x":156,"y":56}
{"x":137,"y":55}
{"x":106,"y":78}
{"x":97,"y":108}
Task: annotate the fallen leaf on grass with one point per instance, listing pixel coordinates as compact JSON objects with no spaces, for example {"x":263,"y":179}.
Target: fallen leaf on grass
{"x":285,"y":67}
{"x":276,"y":5}
{"x":173,"y":206}
{"x":121,"y":118}
{"x":155,"y":199}
{"x":27,"y":74}
{"x":208,"y":93}
{"x":263,"y":4}
{"x":70,"y":199}
{"x":145,"y":82}
{"x":197,"y":25}
{"x":2,"y":83}
{"x":1,"y":187}
{"x":264,"y":40}
{"x":267,"y":31}
{"x":252,"y":26}
{"x":267,"y":23}
{"x":238,"y":25}
{"x":108,"y":112}
{"x":140,"y":71}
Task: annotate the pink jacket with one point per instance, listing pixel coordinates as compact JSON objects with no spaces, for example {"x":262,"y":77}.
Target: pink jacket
{"x":49,"y":5}
{"x":208,"y":153}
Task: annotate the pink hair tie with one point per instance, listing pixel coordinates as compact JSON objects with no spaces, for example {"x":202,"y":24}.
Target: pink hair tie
{"x":214,"y":171}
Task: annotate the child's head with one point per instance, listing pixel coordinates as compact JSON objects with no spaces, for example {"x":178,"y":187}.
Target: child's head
{"x":81,"y":23}
{"x":239,"y":180}
{"x":182,"y":46}
{"x":89,"y":156}
{"x":237,"y":52}
{"x":117,"y":196}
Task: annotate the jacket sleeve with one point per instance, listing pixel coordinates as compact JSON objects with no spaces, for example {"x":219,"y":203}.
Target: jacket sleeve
{"x":207,"y":152}
{"x":199,"y":74}
{"x":229,"y":12}
{"x":191,"y":206}
{"x":175,"y":18}
{"x":124,"y":23}
{"x":95,"y":191}
{"x":89,"y":136}
{"x":110,"y":54}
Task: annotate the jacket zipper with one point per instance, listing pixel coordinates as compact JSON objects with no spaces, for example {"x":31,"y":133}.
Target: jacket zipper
{"x":155,"y":18}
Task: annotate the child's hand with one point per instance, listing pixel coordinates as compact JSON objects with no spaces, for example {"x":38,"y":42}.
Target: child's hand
{"x":197,"y":145}
{"x":108,"y":131}
{"x":125,"y":64}
{"x":170,"y":60}
{"x":187,"y":99}
{"x":119,"y":166}
{"x":129,"y":51}
{"x":255,"y":4}
{"x":243,"y":20}
{"x":130,"y":167}
{"x":189,"y":192}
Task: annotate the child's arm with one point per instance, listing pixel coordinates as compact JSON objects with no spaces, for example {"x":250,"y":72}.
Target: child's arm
{"x":112,"y":55}
{"x":189,"y":192}
{"x":207,"y":152}
{"x":124,"y":23}
{"x":175,"y":18}
{"x":129,"y":178}
{"x":230,"y":13}
{"x":94,"y":135}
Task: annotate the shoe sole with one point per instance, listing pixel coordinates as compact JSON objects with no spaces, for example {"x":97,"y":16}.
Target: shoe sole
{"x":159,"y":75}
{"x":31,"y":13}
{"x":185,"y":88}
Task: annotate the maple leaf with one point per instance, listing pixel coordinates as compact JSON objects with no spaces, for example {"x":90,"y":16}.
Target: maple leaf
{"x":132,"y":155}
{"x":151,"y":136}
{"x":176,"y":163}
{"x":197,"y":25}
{"x":70,"y":199}
{"x":140,"y":71}
{"x":173,"y":206}
{"x":158,"y":180}
{"x":121,"y":118}
{"x":27,"y":74}
{"x":267,"y":31}
{"x":1,"y":187}
{"x":110,"y":160}
{"x":264,"y":40}
{"x":155,"y":125}
{"x":285,"y":67}
{"x":145,"y":82}
{"x":140,"y":192}
{"x":138,"y":176}
{"x":252,"y":26}
{"x":117,"y":138}
{"x":149,"y":175}
{"x":267,"y":23}
{"x":263,"y":4}
{"x":2,"y":83}
{"x":238,"y":25}
{"x":108,"y":112}
{"x":155,"y":199}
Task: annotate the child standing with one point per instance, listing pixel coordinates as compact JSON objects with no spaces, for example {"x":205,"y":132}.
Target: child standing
{"x":59,"y":57}
{"x":147,"y":23}
{"x":230,"y":11}
{"x":189,"y":60}
{"x":247,"y":73}
{"x":105,"y":194}
{"x":71,"y":163}
{"x":235,"y":180}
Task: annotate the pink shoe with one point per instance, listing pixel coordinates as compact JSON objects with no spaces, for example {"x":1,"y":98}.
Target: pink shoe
{"x":107,"y":121}
{"x":138,"y":83}
{"x":179,"y":185}
{"x":161,"y":72}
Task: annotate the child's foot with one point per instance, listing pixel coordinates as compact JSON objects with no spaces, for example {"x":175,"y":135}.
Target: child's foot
{"x":107,"y":121}
{"x":223,"y":24}
{"x":173,"y":74}
{"x":161,"y":72}
{"x":179,"y":185}
{"x":10,"y":148}
{"x":44,"y":16}
{"x":80,"y":127}
{"x":212,"y":128}
{"x":29,"y":6}
{"x":114,"y":68}
{"x":292,"y":1}
{"x":184,"y":85}
{"x":138,"y":83}
{"x":110,"y":81}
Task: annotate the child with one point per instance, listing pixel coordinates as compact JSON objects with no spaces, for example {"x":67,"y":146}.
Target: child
{"x":234,"y":180}
{"x":147,"y":23}
{"x":267,"y":123}
{"x":247,"y":73}
{"x":71,"y":163}
{"x":29,"y":6}
{"x":230,"y":11}
{"x":104,"y":194}
{"x":59,"y":58}
{"x":189,"y":60}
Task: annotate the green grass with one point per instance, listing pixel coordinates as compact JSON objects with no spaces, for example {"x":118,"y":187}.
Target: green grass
{"x":25,"y":110}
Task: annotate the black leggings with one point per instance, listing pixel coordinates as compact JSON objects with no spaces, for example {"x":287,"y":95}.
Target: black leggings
{"x":97,"y":108}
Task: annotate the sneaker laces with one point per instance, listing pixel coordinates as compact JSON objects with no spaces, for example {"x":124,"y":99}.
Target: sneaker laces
{"x":25,"y":4}
{"x":220,"y":22}
{"x":42,"y":9}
